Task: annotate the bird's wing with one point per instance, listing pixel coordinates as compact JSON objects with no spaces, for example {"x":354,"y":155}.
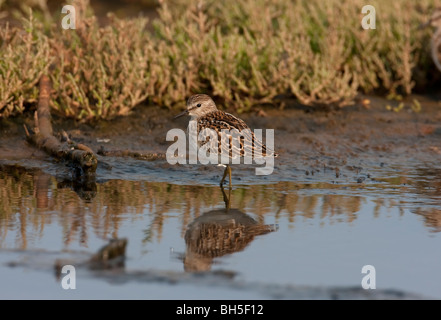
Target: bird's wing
{"x":247,"y":144}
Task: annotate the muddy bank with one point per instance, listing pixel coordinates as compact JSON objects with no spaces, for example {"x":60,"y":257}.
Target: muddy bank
{"x":334,"y":146}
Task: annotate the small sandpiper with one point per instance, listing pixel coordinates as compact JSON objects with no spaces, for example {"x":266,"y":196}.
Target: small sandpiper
{"x":435,"y":42}
{"x":204,"y":113}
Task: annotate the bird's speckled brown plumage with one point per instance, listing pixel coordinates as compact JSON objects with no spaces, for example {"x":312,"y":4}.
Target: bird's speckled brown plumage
{"x":219,"y":120}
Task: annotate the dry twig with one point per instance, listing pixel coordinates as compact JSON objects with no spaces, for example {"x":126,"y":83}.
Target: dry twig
{"x":42,"y":137}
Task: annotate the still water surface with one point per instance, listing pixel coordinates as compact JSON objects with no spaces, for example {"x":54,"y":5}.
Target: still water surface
{"x":274,"y":236}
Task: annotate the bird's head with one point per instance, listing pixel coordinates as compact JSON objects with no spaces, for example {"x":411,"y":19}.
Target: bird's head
{"x":198,"y":105}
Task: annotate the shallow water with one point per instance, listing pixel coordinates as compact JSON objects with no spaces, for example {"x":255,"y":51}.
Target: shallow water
{"x":279,"y":237}
{"x":355,"y":188}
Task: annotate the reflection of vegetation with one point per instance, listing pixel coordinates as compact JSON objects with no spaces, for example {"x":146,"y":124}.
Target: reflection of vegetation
{"x":243,"y":52}
{"x":429,"y":182}
{"x":31,"y":200}
{"x":432,"y":218}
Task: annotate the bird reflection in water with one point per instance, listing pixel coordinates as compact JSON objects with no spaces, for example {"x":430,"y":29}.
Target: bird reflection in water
{"x":217,"y":233}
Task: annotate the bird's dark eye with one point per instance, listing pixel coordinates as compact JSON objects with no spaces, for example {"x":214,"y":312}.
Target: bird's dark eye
{"x":198,"y":105}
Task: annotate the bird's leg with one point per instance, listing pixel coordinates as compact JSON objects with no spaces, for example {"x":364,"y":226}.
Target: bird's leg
{"x":229,"y":175}
{"x":227,"y":170}
{"x":226,"y":199}
{"x":223,"y":178}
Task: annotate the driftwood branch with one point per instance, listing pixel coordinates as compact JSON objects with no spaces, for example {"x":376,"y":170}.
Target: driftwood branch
{"x":79,"y":155}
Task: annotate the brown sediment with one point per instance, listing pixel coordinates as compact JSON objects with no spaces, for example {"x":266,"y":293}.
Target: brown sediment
{"x":149,"y":156}
{"x":327,"y":145}
{"x":42,"y":137}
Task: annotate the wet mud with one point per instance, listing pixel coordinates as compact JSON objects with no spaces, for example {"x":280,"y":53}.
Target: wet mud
{"x":348,"y":145}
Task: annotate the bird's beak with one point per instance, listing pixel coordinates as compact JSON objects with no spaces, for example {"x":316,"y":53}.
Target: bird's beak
{"x":181,"y":114}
